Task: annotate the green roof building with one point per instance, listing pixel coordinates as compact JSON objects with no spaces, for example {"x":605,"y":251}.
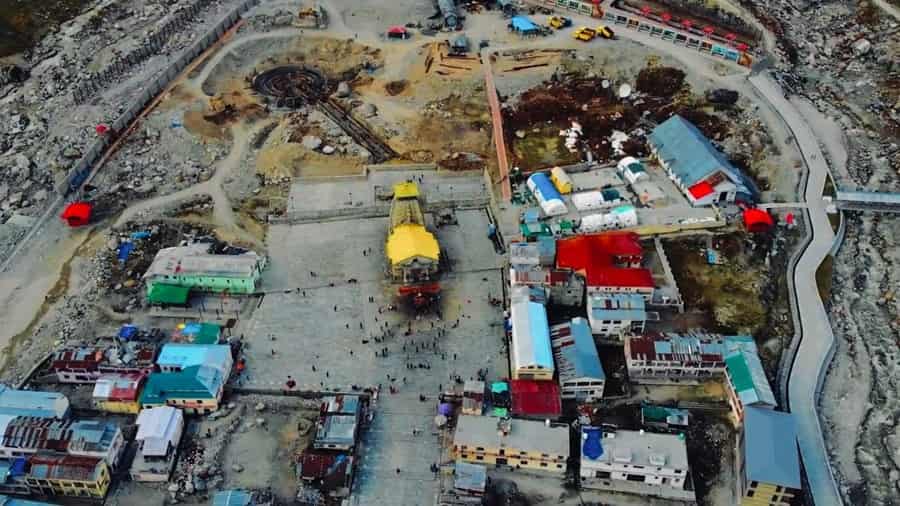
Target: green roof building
{"x":195,"y":268}
{"x":747,"y":384}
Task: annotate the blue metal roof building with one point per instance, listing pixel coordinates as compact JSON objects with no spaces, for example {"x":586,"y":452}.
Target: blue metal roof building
{"x":178,"y":356}
{"x":32,"y":403}
{"x":581,"y":375}
{"x":770,"y":448}
{"x":691,"y":159}
{"x":530,"y":351}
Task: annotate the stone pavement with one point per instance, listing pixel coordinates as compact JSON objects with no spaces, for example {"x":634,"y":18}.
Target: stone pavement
{"x":325,"y":328}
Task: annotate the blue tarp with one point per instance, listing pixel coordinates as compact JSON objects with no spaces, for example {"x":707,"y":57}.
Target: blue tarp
{"x":127,"y":331}
{"x":592,"y":447}
{"x":140,"y":235}
{"x":523,"y":24}
{"x":124,"y":250}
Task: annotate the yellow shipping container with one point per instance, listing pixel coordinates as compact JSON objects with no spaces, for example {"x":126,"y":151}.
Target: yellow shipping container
{"x":561,"y":180}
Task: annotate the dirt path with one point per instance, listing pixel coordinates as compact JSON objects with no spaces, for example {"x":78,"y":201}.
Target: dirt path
{"x":223,"y":214}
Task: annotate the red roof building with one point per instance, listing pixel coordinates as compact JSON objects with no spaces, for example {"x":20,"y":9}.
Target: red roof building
{"x":700,"y":190}
{"x":535,"y":399}
{"x":610,"y":262}
{"x":330,"y":470}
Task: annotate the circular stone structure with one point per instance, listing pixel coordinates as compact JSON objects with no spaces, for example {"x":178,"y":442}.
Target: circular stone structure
{"x":291,"y":85}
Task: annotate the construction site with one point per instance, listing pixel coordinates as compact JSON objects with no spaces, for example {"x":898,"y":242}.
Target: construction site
{"x":441,"y":252}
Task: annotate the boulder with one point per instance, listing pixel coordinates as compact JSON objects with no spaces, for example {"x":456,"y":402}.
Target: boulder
{"x":311,"y":142}
{"x":368,"y":110}
{"x":343,"y":90}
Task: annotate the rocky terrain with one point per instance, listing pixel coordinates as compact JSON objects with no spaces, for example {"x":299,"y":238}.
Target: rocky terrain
{"x":44,"y":132}
{"x":860,"y":402}
{"x":842,"y":58}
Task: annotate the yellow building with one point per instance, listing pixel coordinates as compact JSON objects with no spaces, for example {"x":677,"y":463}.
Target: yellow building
{"x":769,"y":459}
{"x":411,"y":249}
{"x":67,"y":475}
{"x":118,"y":393}
{"x":519,"y":444}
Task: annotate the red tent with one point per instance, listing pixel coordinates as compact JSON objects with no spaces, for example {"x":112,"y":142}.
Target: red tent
{"x":101,"y":129}
{"x":77,"y":213}
{"x":397,"y":32}
{"x":757,"y":221}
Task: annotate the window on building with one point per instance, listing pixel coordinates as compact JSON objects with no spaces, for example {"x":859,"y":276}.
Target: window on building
{"x":753,"y":484}
{"x":636,"y":477}
{"x":479,"y":448}
{"x":779,"y":489}
{"x":479,"y":457}
{"x":502,"y":452}
{"x":543,"y":464}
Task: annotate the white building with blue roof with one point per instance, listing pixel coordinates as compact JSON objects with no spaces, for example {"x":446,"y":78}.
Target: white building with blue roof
{"x":531,"y":357}
{"x":770,"y":468}
{"x":636,"y":462}
{"x":702,"y":172}
{"x":616,"y":314}
{"x":581,"y":375}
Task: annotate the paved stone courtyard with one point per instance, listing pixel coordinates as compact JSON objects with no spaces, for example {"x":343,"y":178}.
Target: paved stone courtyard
{"x":322,"y":329}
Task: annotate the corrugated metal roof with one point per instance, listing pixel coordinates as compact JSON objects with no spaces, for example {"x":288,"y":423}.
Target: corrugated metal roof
{"x":183,"y":355}
{"x":234,"y":497}
{"x":535,"y":398}
{"x":195,"y":382}
{"x":576,"y":354}
{"x":472,"y":477}
{"x":530,"y":335}
{"x":617,"y":306}
{"x":32,"y":403}
{"x":749,"y":378}
{"x":770,"y":443}
{"x":65,"y":467}
{"x":692,"y":157}
{"x":195,"y":260}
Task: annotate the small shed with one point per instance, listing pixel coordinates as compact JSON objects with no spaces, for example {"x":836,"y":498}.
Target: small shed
{"x":473,"y":397}
{"x":77,"y":214}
